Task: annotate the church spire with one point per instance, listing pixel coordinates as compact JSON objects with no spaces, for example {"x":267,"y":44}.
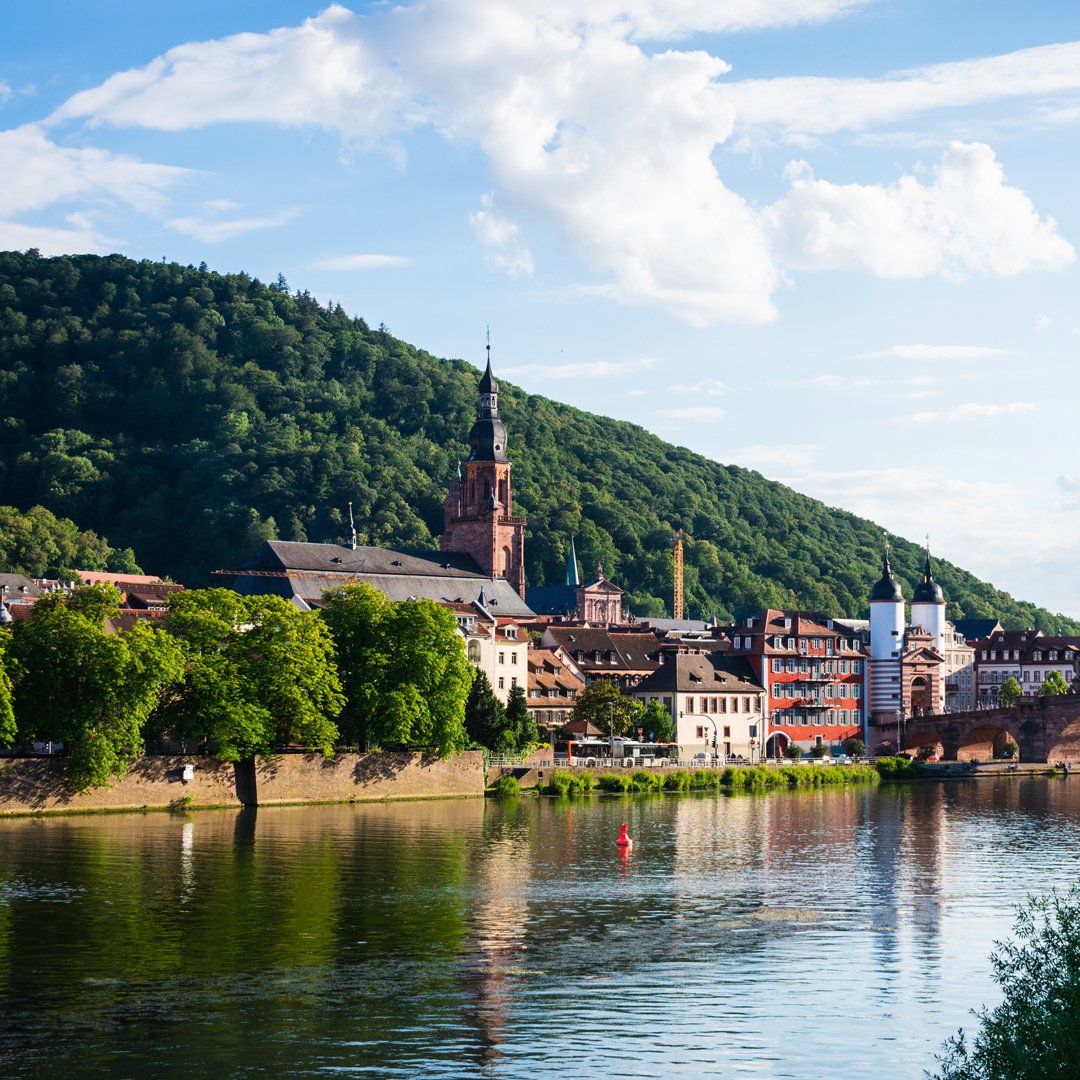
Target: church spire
{"x":488,"y":435}
{"x":572,"y":578}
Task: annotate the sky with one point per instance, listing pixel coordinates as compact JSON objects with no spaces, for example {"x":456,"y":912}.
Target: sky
{"x":834,"y":241}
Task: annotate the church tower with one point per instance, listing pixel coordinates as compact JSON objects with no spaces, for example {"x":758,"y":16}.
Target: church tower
{"x":477,"y":511}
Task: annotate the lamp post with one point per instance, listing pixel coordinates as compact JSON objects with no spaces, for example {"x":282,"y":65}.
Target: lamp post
{"x":715,"y":739}
{"x":611,"y":729}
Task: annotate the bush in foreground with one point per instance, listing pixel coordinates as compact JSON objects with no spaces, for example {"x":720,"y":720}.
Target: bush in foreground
{"x":507,"y":786}
{"x":1031,"y":1035}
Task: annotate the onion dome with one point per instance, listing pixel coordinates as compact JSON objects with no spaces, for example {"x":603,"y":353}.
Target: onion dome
{"x":888,"y":588}
{"x":928,"y":591}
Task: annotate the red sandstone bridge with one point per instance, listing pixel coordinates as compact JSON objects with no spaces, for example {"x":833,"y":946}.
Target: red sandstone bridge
{"x":1045,"y":728}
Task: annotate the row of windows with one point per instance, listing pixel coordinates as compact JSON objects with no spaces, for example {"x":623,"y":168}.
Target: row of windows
{"x":804,"y":644}
{"x":828,"y":667}
{"x":832,"y":718}
{"x":719,"y":704}
{"x":834,"y":692}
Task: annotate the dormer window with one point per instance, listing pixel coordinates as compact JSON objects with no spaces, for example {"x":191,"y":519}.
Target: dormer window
{"x":1038,"y":656}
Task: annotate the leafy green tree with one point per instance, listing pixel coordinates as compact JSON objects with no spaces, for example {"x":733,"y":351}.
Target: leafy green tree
{"x":1031,"y":1035}
{"x":603,"y":705}
{"x":260,"y":674}
{"x":89,"y":688}
{"x":654,"y":720}
{"x":855,"y":748}
{"x":403,"y":669}
{"x":39,"y":544}
{"x":521,"y":729}
{"x":1009,"y":693}
{"x":1054,"y":684}
{"x":485,"y":716}
{"x":8,"y":728}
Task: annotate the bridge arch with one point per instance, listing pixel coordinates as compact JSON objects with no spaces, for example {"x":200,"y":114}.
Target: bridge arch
{"x":1066,"y":748}
{"x":914,"y":743}
{"x":984,"y":742}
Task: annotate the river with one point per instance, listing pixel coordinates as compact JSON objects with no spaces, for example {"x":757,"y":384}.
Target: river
{"x":830,"y":933}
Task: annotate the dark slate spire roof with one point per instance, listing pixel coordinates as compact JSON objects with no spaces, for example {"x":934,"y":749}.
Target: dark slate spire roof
{"x":928,"y":591}
{"x":488,"y":435}
{"x":572,"y":578}
{"x":888,"y":588}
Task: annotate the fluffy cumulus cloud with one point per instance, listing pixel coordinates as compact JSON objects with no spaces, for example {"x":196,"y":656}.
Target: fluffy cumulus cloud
{"x":600,"y":124}
{"x":966,"y":220}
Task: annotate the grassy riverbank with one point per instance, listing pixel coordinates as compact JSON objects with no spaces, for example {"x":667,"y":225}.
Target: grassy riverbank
{"x":732,"y":779}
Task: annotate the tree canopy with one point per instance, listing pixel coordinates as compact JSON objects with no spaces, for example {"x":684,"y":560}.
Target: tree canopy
{"x":403,"y":670}
{"x":39,"y":544}
{"x":1009,"y":693}
{"x":260,"y":674}
{"x":1054,"y":684}
{"x":603,"y":705}
{"x":91,"y":689}
{"x":138,"y":394}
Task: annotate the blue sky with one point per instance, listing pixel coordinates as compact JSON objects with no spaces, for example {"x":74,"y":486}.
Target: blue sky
{"x":831,"y":240}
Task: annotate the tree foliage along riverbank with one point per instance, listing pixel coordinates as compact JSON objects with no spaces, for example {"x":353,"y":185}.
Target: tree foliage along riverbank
{"x":1031,"y":1035}
{"x":136,"y":394}
{"x":240,"y":675}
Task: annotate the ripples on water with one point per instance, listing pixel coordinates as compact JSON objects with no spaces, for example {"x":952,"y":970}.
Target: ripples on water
{"x":793,"y":935}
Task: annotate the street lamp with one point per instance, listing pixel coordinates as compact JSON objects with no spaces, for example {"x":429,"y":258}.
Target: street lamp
{"x":611,"y":729}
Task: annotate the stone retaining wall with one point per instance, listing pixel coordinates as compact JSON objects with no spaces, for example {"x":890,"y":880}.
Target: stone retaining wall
{"x":37,"y":785}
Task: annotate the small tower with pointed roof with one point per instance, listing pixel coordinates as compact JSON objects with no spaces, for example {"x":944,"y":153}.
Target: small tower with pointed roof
{"x":928,"y":604}
{"x":886,"y":645}
{"x":477,"y":512}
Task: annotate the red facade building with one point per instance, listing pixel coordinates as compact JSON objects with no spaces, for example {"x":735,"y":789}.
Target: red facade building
{"x":813,"y":669}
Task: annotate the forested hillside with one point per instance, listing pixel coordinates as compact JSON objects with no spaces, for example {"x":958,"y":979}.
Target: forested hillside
{"x":190,"y":415}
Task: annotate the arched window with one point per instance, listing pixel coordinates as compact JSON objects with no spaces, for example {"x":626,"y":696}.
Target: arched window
{"x":506,"y":562}
{"x":474,"y":652}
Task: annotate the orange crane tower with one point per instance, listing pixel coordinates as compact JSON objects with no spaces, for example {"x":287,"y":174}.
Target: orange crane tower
{"x":677,"y":597}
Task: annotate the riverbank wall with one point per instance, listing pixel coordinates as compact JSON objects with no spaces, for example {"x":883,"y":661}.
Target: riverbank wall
{"x":37,"y":785}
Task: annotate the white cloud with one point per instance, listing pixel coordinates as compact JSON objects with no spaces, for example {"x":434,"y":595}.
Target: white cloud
{"x":1042,"y":322}
{"x":612,"y":145}
{"x":766,"y":456}
{"x":15,"y":236}
{"x":819,"y":106}
{"x":974,"y":409}
{"x":705,"y":387}
{"x":38,"y":173}
{"x":934,"y":352}
{"x":361,"y":262}
{"x":696,"y":414}
{"x":967,"y":220}
{"x":503,"y":239}
{"x":213,"y":230}
{"x":5,"y":91}
{"x":588,"y":369}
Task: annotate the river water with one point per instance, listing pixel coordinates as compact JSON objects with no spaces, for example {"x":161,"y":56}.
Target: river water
{"x":795,"y":934}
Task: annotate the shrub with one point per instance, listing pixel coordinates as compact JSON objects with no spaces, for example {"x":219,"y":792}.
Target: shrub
{"x":706,"y":779}
{"x":583,"y":782}
{"x":792,"y":752}
{"x":645,"y":780}
{"x":618,"y":782}
{"x":507,"y":786}
{"x":819,"y":750}
{"x":561,"y":782}
{"x":854,"y":748}
{"x":896,"y":768}
{"x":678,"y":780}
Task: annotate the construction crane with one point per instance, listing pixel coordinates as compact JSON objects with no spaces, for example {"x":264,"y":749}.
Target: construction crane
{"x":677,"y":596}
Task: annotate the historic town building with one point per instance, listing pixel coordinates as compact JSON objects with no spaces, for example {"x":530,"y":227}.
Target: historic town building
{"x":717,"y":704}
{"x":812,"y":668}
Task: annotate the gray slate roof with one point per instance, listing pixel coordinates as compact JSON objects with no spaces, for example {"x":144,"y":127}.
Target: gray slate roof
{"x":18,"y":586}
{"x":307,"y":570}
{"x":701,"y":673}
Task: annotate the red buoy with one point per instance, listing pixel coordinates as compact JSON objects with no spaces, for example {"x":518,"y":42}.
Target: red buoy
{"x":624,"y":841}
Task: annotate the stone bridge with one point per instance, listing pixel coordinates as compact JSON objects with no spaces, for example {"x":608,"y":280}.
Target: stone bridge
{"x":1045,"y":728}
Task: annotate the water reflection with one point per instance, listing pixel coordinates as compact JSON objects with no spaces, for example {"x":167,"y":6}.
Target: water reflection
{"x":743,"y":936}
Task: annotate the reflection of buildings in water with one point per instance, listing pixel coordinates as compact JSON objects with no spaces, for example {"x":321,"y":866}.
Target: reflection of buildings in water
{"x":494,"y":943}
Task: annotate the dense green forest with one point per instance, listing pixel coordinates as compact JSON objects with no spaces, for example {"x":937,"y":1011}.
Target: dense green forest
{"x":190,"y":415}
